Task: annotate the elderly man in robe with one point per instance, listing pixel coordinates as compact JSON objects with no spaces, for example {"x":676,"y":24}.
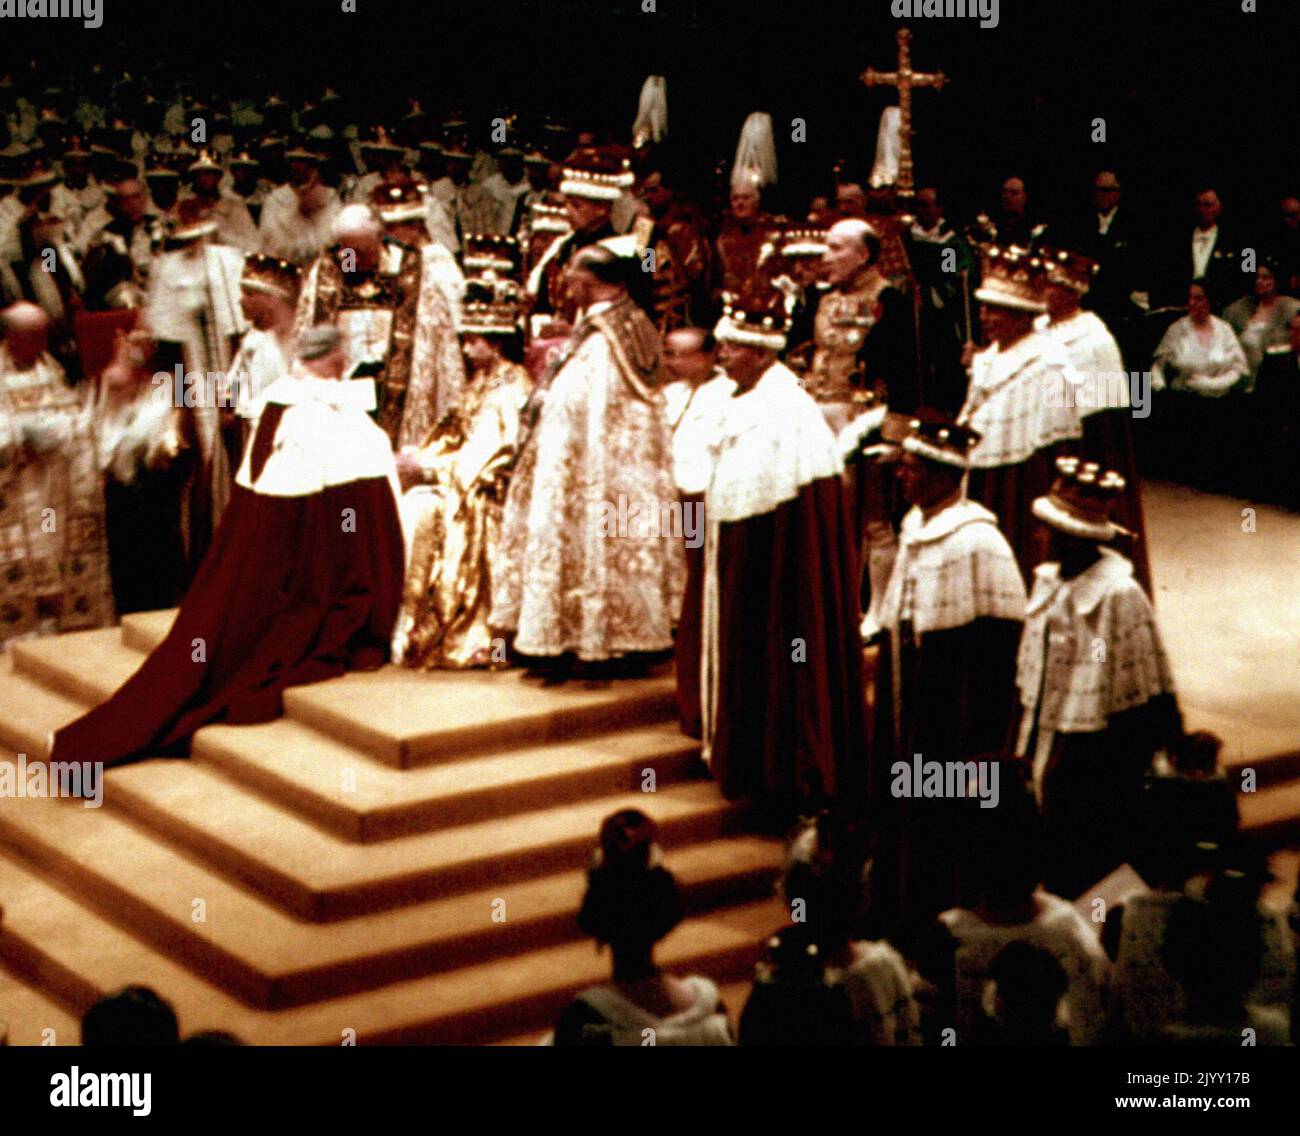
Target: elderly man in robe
{"x":784,"y":713}
{"x":397,"y":326}
{"x":53,"y":549}
{"x":287,"y":595}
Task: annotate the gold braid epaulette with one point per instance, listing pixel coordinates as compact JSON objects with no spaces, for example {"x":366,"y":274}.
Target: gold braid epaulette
{"x":635,"y":345}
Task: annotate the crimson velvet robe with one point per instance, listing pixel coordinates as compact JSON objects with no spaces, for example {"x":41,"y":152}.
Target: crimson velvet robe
{"x":302,"y":583}
{"x":781,"y":674}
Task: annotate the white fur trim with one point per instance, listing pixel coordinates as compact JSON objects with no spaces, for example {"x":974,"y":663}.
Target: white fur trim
{"x":1049,"y":512}
{"x":856,"y":432}
{"x":325,"y":438}
{"x":1007,"y":300}
{"x":922,"y":448}
{"x":1063,"y":686}
{"x":775,"y":441}
{"x":591,"y":192}
{"x":951,"y":570}
{"x":728,"y":331}
{"x":1016,"y":401}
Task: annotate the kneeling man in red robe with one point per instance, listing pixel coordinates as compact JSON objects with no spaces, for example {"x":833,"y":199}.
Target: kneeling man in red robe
{"x":302,"y":583}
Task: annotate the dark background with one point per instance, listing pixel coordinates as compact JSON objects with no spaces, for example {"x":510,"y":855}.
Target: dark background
{"x":1191,"y":90}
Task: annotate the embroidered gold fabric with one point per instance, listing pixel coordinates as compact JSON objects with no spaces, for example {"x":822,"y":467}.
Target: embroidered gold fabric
{"x":53,"y":546}
{"x":467,"y":459}
{"x":579,"y":570}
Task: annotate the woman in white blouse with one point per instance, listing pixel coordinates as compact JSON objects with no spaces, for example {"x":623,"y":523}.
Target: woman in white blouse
{"x":1199,"y":353}
{"x":1203,"y":370}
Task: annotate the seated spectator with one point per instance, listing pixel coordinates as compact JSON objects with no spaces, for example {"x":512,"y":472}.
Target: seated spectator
{"x":1285,"y":245}
{"x":1012,"y":909}
{"x":134,"y":1015}
{"x":1023,"y":999}
{"x":1189,"y":800}
{"x":1215,"y":955}
{"x":793,"y":1002}
{"x":1197,"y":364}
{"x":1199,"y":353}
{"x":632,"y":902}
{"x":1260,"y":320}
{"x":1147,"y":995}
{"x":827,"y":882}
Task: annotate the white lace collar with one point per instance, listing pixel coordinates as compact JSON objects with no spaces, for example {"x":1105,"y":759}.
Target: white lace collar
{"x":1087,"y":589}
{"x":916,"y":528}
{"x":299,"y":388}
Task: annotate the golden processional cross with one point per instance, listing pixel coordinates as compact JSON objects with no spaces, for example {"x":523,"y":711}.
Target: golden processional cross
{"x":904,"y":79}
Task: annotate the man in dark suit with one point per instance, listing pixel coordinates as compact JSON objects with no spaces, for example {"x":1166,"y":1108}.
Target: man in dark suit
{"x":1210,"y":253}
{"x":1108,"y":234}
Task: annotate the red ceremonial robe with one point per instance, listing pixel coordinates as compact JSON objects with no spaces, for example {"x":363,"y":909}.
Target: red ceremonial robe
{"x":302,"y":582}
{"x":781,"y":672}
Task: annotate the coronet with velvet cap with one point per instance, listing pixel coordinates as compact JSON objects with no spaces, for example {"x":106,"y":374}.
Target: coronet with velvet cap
{"x":1013,"y":278}
{"x":156,"y":169}
{"x":76,"y":148}
{"x":270,"y":274}
{"x":942,"y":442}
{"x":803,"y":242}
{"x":1080,"y":500}
{"x":301,"y":153}
{"x":490,"y":252}
{"x":189,"y":232}
{"x":490,"y":311}
{"x":596,"y":173}
{"x":756,"y":319}
{"x":399,"y":203}
{"x":1069,"y":269}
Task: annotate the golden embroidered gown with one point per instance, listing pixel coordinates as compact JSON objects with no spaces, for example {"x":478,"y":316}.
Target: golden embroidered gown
{"x":453,"y":524}
{"x":53,"y":549}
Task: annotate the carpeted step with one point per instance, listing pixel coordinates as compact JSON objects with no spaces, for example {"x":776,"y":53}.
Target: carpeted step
{"x":267,"y":957}
{"x":72,"y":944}
{"x":30,"y":1017}
{"x":315,"y":875}
{"x":407,"y":718}
{"x":85,"y":666}
{"x":358,"y":799}
{"x":398,"y":716}
{"x":1272,"y":814}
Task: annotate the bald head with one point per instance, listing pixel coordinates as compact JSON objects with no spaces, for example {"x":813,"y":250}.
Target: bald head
{"x":852,"y":229}
{"x":26,"y":329}
{"x":850,"y":247}
{"x":359,"y":230}
{"x":690,"y":354}
{"x":357,"y":221}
